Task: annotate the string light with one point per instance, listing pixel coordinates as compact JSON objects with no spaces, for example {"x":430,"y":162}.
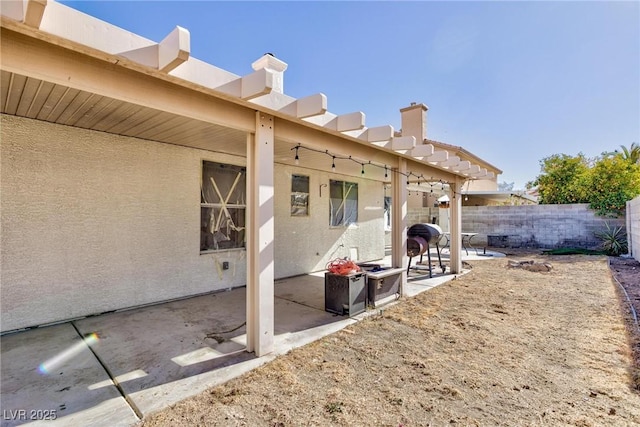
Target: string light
{"x":419,"y":178}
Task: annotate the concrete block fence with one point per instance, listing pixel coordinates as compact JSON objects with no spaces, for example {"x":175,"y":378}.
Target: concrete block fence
{"x":538,"y":226}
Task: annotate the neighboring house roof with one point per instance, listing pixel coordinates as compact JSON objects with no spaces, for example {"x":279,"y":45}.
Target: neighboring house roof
{"x":502,"y":196}
{"x":463,"y":154}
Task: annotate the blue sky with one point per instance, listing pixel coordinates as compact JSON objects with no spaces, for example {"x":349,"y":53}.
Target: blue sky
{"x":512,"y":82}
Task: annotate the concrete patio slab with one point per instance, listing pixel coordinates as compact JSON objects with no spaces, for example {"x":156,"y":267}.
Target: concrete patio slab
{"x":50,"y":376}
{"x":148,"y":358}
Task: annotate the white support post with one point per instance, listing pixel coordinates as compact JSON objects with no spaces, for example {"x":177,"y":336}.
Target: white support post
{"x":455,"y":244}
{"x":399,"y":221}
{"x":260,"y":237}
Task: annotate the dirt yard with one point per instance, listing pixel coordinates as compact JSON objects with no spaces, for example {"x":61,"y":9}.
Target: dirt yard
{"x":496,"y":347}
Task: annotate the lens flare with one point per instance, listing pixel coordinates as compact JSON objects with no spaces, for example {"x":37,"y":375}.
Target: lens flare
{"x":56,"y":361}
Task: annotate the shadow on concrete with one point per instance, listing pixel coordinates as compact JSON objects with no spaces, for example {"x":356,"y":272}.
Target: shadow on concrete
{"x":148,"y":358}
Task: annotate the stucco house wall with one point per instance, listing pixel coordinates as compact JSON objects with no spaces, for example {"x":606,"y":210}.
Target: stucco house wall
{"x":308,"y":243}
{"x":94,"y":222}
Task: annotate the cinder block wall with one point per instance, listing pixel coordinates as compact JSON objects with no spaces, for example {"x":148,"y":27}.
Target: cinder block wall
{"x":539,"y":226}
{"x":633,"y":227}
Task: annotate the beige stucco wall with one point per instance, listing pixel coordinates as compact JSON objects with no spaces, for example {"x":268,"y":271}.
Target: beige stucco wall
{"x":633,"y":227}
{"x":481,"y":185}
{"x":306,"y":244}
{"x":93,"y":222}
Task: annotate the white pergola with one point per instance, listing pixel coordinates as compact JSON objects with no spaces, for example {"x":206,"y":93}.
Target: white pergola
{"x":63,"y":66}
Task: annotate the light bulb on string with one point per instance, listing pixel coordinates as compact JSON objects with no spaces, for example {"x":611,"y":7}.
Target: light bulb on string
{"x":362,"y":172}
{"x":333,"y":164}
{"x":297,"y":158}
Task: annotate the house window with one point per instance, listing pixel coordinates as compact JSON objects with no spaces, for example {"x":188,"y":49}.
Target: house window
{"x":343,"y":203}
{"x":299,"y":195}
{"x":222,"y":206}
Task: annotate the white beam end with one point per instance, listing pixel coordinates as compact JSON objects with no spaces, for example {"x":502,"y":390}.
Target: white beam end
{"x":403,"y":143}
{"x":480,"y":174}
{"x":438,"y":156}
{"x":462,"y":166}
{"x":174,"y":49}
{"x":474,"y":169}
{"x":422,"y":150}
{"x":250,"y":86}
{"x":450,"y":162}
{"x":257,"y":83}
{"x":377,"y":134}
{"x":34,"y":12}
{"x":313,"y":105}
{"x":347,"y":122}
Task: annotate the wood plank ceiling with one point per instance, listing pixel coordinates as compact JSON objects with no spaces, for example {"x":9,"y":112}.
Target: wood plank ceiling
{"x":41,"y":100}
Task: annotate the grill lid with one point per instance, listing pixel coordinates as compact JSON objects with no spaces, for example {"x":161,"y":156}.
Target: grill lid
{"x":429,"y":232}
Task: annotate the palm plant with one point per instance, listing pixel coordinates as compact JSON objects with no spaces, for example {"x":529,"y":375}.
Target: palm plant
{"x":632,"y":153}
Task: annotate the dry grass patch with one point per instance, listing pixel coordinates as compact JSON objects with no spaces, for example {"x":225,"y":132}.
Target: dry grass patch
{"x":495,"y":347}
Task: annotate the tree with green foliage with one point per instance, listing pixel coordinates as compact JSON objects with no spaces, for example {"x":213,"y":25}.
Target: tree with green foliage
{"x":606,"y":182}
{"x":563,"y":179}
{"x":612,"y":182}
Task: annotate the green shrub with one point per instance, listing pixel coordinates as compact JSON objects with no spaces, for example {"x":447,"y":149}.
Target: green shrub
{"x":614,"y":240}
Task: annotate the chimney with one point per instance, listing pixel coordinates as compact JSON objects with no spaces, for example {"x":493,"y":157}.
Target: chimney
{"x":270,"y":62}
{"x":414,"y":121}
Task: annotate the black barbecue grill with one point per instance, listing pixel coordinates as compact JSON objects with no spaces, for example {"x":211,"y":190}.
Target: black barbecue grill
{"x":419,"y":237}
